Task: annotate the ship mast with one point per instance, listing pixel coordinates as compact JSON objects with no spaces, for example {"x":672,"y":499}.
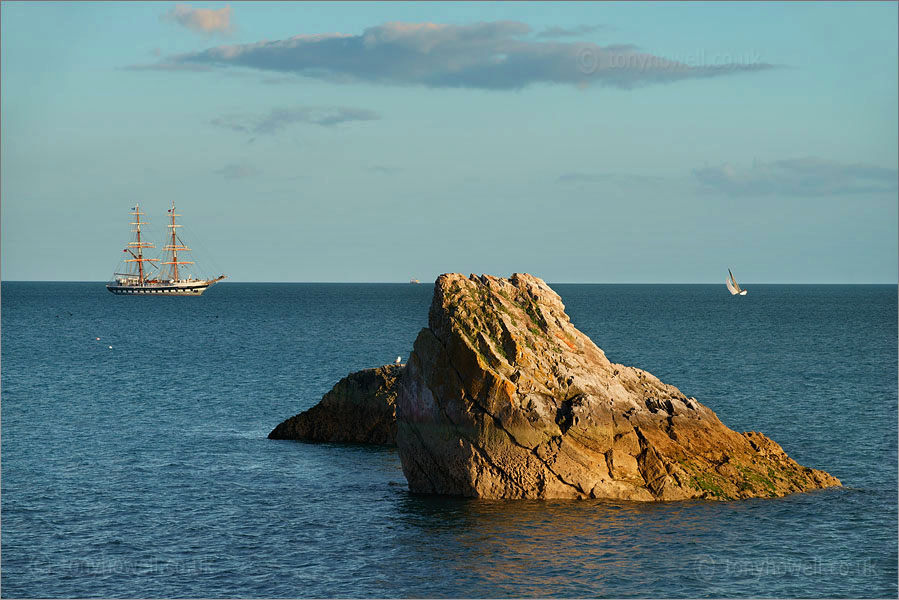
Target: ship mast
{"x":174,"y":246}
{"x":138,"y":245}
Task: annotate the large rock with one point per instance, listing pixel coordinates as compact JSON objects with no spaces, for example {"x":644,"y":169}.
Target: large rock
{"x":503,"y":397}
{"x":359,"y":409}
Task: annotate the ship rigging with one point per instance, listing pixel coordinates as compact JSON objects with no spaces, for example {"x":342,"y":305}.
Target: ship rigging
{"x":141,"y":276}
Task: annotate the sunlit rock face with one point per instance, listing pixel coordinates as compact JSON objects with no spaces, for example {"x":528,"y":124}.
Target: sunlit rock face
{"x":503,"y":397}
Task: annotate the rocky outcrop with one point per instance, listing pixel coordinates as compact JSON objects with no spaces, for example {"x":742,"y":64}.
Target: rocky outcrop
{"x":503,"y":397}
{"x":360,"y":409}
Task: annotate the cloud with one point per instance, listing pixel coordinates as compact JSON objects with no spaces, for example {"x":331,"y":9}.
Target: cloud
{"x":557,"y":32}
{"x":168,"y":66}
{"x":614,"y":178}
{"x":492,"y":55}
{"x":237,"y":171}
{"x":383,"y":170}
{"x":280,"y":118}
{"x":279,"y":80}
{"x":800,"y":177}
{"x":205,"y":20}
{"x":579,"y":178}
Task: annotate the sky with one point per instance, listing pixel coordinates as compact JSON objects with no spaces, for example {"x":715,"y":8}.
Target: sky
{"x":374,"y":142}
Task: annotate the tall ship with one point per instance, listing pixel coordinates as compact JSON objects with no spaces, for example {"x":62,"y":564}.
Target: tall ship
{"x":171,"y":276}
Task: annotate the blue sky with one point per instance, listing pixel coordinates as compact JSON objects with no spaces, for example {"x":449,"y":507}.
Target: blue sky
{"x":599,"y":142}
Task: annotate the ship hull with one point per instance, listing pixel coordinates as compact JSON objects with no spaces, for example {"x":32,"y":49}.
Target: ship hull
{"x":158,"y":290}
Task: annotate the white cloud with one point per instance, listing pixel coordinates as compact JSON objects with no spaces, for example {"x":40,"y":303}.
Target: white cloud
{"x":205,"y":20}
{"x":279,"y":118}
{"x":237,"y":171}
{"x":802,"y":177}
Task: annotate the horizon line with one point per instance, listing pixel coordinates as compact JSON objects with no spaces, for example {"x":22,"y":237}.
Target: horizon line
{"x":424,"y":283}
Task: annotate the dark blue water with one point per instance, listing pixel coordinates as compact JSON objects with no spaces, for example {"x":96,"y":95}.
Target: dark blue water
{"x":144,"y":470}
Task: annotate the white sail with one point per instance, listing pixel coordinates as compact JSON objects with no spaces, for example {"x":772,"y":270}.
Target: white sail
{"x":730,"y":287}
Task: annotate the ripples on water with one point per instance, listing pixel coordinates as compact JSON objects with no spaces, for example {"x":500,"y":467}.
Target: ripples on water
{"x":144,"y":470}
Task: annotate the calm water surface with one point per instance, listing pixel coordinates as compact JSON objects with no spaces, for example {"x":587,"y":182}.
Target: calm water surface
{"x":143,"y":470}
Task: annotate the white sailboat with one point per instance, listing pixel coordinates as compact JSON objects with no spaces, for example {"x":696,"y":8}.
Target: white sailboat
{"x":732,"y":286}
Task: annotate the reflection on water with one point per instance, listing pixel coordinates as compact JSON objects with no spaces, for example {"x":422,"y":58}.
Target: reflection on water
{"x":599,"y":548}
{"x":538,"y":548}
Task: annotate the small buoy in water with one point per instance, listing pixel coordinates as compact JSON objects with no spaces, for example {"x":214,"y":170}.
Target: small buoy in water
{"x":110,"y":347}
{"x":98,"y":339}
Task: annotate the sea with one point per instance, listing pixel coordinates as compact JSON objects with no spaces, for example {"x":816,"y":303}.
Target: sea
{"x":135,"y":461}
